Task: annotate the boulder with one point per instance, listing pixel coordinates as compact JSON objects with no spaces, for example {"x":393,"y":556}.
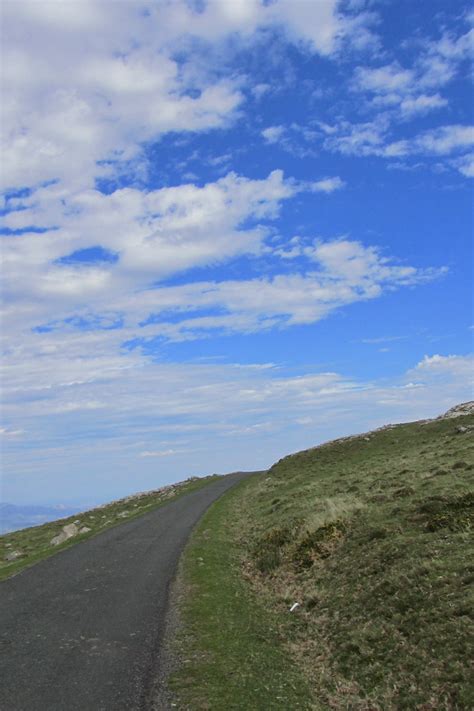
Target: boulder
{"x":69,"y":531}
{"x":85,"y":529}
{"x":12,"y":555}
{"x":462,"y":430}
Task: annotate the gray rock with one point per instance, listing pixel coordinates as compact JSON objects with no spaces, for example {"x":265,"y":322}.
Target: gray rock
{"x":85,"y":529}
{"x":12,"y":555}
{"x":69,"y":531}
{"x":465,"y":408}
{"x":461,"y":429}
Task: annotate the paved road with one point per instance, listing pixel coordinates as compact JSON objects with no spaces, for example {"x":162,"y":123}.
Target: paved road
{"x":82,"y":630}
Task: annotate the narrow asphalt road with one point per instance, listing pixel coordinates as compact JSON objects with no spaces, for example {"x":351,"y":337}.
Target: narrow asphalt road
{"x":82,"y":630}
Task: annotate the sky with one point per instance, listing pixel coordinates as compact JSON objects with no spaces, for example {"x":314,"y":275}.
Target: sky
{"x":231,"y":229}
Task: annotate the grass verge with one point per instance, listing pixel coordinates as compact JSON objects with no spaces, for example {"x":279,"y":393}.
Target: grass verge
{"x":229,"y":644}
{"x":372,"y":535}
{"x":34,"y":544}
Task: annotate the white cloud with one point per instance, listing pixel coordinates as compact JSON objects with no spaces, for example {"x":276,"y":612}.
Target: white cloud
{"x":445,"y":366}
{"x":383,"y":339}
{"x":154,"y":234}
{"x":396,"y":90}
{"x":398,"y":94}
{"x":272,"y":134}
{"x":316,"y":26}
{"x":465,"y":165}
{"x":421,"y":104}
{"x":374,"y":139}
{"x":260,"y":90}
{"x":452,"y":47}
{"x":436,"y":64}
{"x":360,"y":139}
{"x":76,"y":405}
{"x":383,"y":80}
{"x":441,"y":59}
{"x":163,"y":232}
{"x":197,"y":418}
{"x":395,"y":94}
{"x":159,"y":453}
{"x":71,"y":101}
{"x":446,"y":139}
{"x":75,"y":108}
{"x":295,"y":138}
{"x":328,"y":185}
{"x":333,"y":274}
{"x":5,"y":432}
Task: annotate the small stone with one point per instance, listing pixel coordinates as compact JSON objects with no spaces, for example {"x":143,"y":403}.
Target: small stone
{"x":12,"y":555}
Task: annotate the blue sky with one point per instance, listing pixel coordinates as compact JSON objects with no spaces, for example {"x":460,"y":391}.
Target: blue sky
{"x":231,"y":229}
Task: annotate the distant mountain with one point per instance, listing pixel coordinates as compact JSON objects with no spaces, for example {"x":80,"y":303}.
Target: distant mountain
{"x":13,"y":517}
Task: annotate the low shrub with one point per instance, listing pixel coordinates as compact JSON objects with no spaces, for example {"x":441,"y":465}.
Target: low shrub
{"x":318,"y":544}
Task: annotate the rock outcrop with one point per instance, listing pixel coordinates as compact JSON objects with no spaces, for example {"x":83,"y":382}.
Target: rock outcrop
{"x":465,"y":408}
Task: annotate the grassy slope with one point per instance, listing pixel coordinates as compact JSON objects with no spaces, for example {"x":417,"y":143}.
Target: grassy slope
{"x":373,"y":536}
{"x":34,"y":543}
{"x":229,"y":643}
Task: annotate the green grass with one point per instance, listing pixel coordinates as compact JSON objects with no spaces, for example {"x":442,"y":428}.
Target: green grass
{"x":34,"y":544}
{"x":373,"y":537}
{"x":230,"y":644}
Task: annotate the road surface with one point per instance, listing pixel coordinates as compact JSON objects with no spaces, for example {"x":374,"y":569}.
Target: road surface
{"x":82,"y":630}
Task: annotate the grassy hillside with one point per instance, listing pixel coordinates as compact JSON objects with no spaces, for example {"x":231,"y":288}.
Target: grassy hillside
{"x":29,"y":545}
{"x":372,"y":536}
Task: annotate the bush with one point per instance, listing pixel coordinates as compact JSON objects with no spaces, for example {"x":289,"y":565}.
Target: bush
{"x":318,"y":544}
{"x":267,"y":550}
{"x":455,"y":514}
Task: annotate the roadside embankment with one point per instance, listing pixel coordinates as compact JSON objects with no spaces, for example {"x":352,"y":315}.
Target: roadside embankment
{"x":370,"y":540}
